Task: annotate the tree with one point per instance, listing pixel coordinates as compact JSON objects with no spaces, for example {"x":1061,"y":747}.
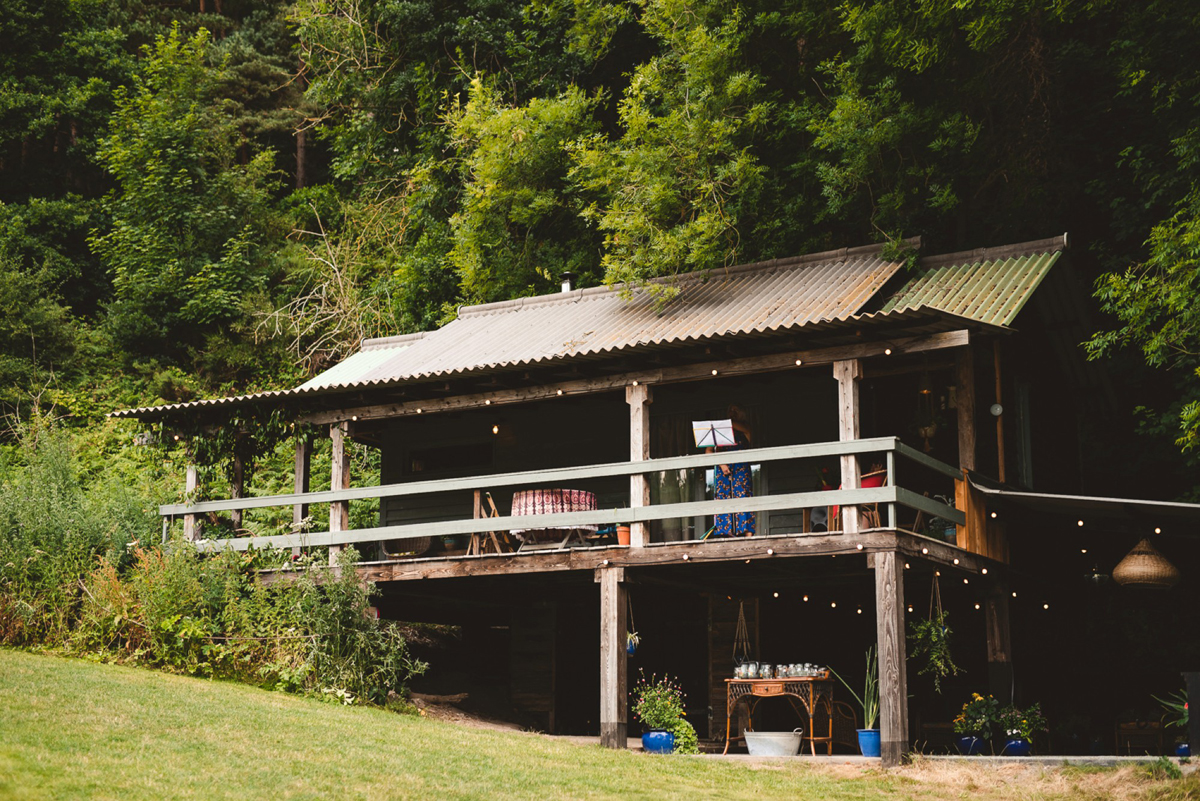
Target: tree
{"x":192,"y":227}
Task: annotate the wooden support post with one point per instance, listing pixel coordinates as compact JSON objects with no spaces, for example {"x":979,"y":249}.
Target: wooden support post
{"x":965,"y":401}
{"x":847,"y":374}
{"x":303,"y":461}
{"x":1000,"y":417}
{"x":999,"y":644}
{"x":191,"y":481}
{"x":613,"y":660}
{"x":893,"y":681}
{"x":339,"y":511}
{"x":237,"y":489}
{"x":638,"y":397}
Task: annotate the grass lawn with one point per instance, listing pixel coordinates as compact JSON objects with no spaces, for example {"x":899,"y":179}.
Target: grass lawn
{"x":74,"y":729}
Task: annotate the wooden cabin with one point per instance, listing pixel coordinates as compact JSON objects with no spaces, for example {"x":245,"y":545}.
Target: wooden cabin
{"x":930,"y":380}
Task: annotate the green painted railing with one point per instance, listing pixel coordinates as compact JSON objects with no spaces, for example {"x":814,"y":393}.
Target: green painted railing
{"x":891,"y":495}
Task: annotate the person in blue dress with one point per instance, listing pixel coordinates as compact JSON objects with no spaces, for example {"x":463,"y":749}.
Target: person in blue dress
{"x":734,"y":481}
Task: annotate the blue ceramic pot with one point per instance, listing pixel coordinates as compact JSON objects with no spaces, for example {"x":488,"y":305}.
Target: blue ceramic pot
{"x":657,"y":741}
{"x":1183,"y":750}
{"x":970,"y":744}
{"x":630,"y":647}
{"x":868,"y":742}
{"x":1017,"y":746}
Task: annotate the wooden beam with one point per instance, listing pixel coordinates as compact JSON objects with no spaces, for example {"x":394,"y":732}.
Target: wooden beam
{"x":999,"y":643}
{"x":893,"y":681}
{"x":190,"y":482}
{"x":237,"y":489}
{"x":339,"y":511}
{"x":1000,"y":417}
{"x":667,"y":375}
{"x":847,"y":374}
{"x":568,"y":474}
{"x":613,"y":662}
{"x":965,"y":401}
{"x":301,"y":467}
{"x":638,"y":397}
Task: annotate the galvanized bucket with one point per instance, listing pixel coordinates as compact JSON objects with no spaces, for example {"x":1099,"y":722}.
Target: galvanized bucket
{"x":773,"y":743}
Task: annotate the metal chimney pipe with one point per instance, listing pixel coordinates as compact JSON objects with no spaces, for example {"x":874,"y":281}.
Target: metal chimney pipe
{"x":568,"y":281}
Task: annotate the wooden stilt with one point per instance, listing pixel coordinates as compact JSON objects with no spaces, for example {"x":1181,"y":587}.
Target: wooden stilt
{"x":339,"y":511}
{"x":237,"y":490}
{"x":965,"y":401}
{"x":847,"y":374}
{"x":613,"y":660}
{"x":999,"y":644}
{"x":639,"y":398}
{"x":303,"y":461}
{"x":893,"y":681}
{"x":191,"y":481}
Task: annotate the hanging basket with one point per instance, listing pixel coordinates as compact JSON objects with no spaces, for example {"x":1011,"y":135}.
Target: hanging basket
{"x":1144,"y":566}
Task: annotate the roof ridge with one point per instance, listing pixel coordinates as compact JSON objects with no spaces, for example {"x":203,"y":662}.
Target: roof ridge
{"x":378,"y":343}
{"x":1054,"y":243}
{"x":576,"y":295}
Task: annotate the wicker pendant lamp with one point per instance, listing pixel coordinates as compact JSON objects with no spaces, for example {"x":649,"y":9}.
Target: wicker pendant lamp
{"x":1144,"y":566}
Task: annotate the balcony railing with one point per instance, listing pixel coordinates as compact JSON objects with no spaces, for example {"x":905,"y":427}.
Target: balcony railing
{"x":890,"y":496}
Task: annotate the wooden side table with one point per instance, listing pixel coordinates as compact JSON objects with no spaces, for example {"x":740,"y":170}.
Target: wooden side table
{"x":809,"y":690}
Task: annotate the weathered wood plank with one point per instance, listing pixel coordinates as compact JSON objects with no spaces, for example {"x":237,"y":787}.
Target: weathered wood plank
{"x":681,"y":374}
{"x":549,"y":477}
{"x":929,"y":506}
{"x":965,"y":401}
{"x":561,"y":520}
{"x":339,"y":511}
{"x":893,"y":682}
{"x":847,"y":374}
{"x":190,"y":482}
{"x":613,"y":663}
{"x":638,"y":397}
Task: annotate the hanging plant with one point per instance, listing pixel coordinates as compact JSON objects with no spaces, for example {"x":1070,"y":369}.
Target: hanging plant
{"x":930,"y":639}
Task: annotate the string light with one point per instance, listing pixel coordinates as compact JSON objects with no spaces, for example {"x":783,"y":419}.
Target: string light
{"x":799,"y":362}
{"x":910,"y":607}
{"x":887,"y":351}
{"x":419,"y":410}
{"x":859,"y":546}
{"x":937,"y":573}
{"x":1045,"y":606}
{"x":1014,"y":595}
{"x":685,"y":557}
{"x":714,"y":372}
{"x":1083,"y":550}
{"x":956,"y":560}
{"x":1157,"y":530}
{"x":776,"y":595}
{"x":976,"y":606}
{"x":635,"y":383}
{"x":993,"y":515}
{"x":907,"y":566}
{"x":1081,"y":523}
{"x":354,"y":418}
{"x":770,"y":552}
{"x":984,"y":571}
{"x":965,"y":581}
{"x":860,"y":610}
{"x":833,"y":605}
{"x":805,"y":599}
{"x":924,"y":550}
{"x":560,"y":392}
{"x":487,"y":402}
{"x":495,"y":429}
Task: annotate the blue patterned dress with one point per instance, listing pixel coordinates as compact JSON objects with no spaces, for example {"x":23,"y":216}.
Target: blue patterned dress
{"x":735,"y":485}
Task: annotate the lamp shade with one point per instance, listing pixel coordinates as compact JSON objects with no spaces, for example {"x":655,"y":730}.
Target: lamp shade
{"x":1144,"y":566}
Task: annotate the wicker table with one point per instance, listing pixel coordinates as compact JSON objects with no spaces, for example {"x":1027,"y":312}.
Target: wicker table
{"x":809,"y":690}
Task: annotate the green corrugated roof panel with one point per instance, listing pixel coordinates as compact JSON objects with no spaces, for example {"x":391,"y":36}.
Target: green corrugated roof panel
{"x":991,"y":291}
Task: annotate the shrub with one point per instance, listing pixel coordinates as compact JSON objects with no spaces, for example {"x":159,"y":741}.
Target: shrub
{"x":658,"y":703}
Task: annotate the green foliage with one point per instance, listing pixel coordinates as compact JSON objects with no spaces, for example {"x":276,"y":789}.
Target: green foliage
{"x":190,"y":224}
{"x":980,"y":716}
{"x":1024,"y":723}
{"x":869,"y":700}
{"x":1176,"y":707}
{"x":519,"y":223}
{"x":657,"y":703}
{"x":676,"y":184}
{"x":930,"y":639}
{"x":686,"y":741}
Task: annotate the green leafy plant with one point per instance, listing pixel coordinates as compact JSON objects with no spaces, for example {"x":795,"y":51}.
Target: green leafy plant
{"x":1024,"y":723}
{"x":1176,"y":706}
{"x":979,"y":716}
{"x":930,"y":640}
{"x":686,"y":741}
{"x":869,"y":700}
{"x":658,"y":703}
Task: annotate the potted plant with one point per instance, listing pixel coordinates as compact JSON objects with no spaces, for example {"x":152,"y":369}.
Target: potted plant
{"x":1176,"y":706}
{"x":976,"y":724}
{"x":632,"y":641}
{"x":868,"y":736}
{"x":1019,"y":726}
{"x":658,"y":706}
{"x":930,"y":639}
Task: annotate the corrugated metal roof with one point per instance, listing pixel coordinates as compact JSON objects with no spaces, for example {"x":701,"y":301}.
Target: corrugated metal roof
{"x":825,"y":291}
{"x":990,"y":291}
{"x":753,"y":298}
